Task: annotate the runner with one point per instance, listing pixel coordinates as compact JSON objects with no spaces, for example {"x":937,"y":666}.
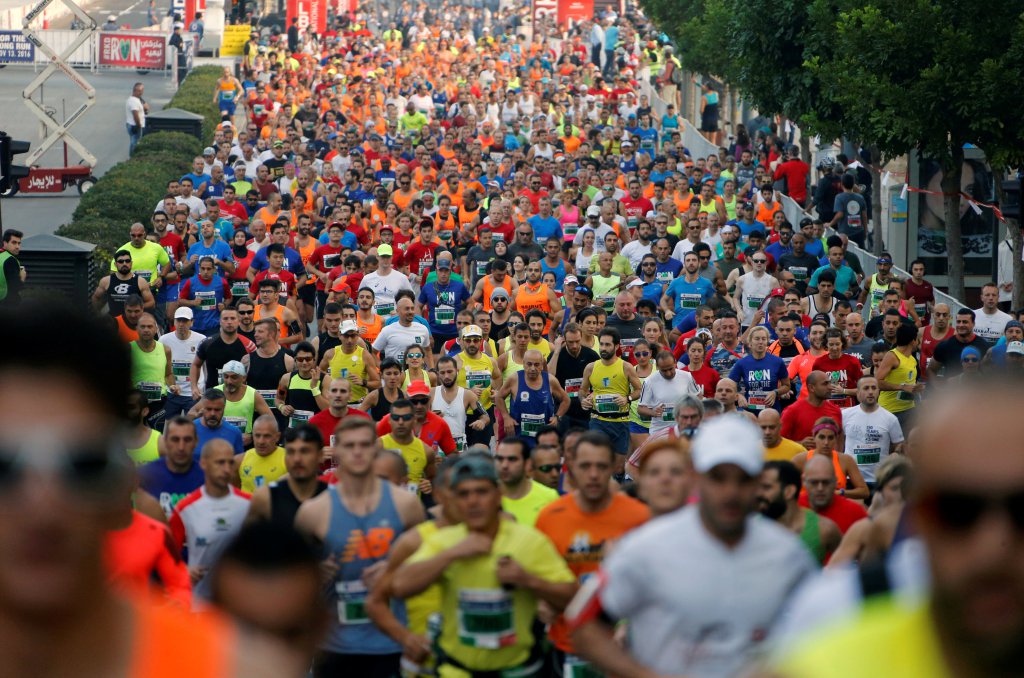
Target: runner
{"x":533,"y":395}
{"x":267,"y":366}
{"x":152,"y":373}
{"x":352,"y":362}
{"x":872,"y":432}
{"x":264,"y":462}
{"x":522,"y":496}
{"x":279,"y":501}
{"x":668,"y":617}
{"x":479,"y":373}
{"x":842,"y":370}
{"x":452,"y":402}
{"x":400,"y":435}
{"x":340,"y":520}
{"x":760,"y":377}
{"x":777,"y":493}
{"x":567,"y":365}
{"x":114,"y":289}
{"x":184,"y":344}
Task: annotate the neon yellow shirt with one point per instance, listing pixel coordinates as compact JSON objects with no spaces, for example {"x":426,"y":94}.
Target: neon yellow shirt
{"x":485,"y":627}
{"x":887,"y":638}
{"x":256,"y":471}
{"x":415,"y":455}
{"x":146,"y":260}
{"x":528,"y":507}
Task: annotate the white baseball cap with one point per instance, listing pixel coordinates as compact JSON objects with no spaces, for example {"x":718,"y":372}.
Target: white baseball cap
{"x":1015,"y":347}
{"x":349,"y":326}
{"x":183,"y":312}
{"x":635,"y":283}
{"x":234,"y":367}
{"x":728,"y":439}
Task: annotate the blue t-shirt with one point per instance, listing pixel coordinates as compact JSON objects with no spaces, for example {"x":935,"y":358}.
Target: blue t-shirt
{"x":169,"y":487}
{"x":225,"y":431}
{"x":653,"y":291}
{"x":845,"y":277}
{"x":755,"y":378}
{"x":444,"y":303}
{"x":669,"y":271}
{"x":198,"y":179}
{"x":648,"y":141}
{"x":815,"y":248}
{"x":545,"y":228}
{"x":777,"y":249}
{"x":292,"y":262}
{"x":219,"y":249}
{"x":687,"y":296}
{"x":745,"y":228}
{"x":722,"y":359}
{"x":348,"y":239}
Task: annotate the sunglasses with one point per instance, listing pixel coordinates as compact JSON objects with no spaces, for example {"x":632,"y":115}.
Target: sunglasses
{"x":90,"y":469}
{"x":124,"y":261}
{"x":548,"y":468}
{"x":642,"y":354}
{"x":419,"y":401}
{"x":413,"y":355}
{"x":401,"y":417}
{"x":760,"y":261}
{"x":960,"y":510}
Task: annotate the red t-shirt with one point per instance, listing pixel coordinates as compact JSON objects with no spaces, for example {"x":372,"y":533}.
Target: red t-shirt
{"x":286,"y":278}
{"x":420,"y":257}
{"x":324,"y":258}
{"x":795,"y":173}
{"x":505,"y":232}
{"x":636,"y":209}
{"x":534,"y":198}
{"x":175,"y":248}
{"x":435,"y":431}
{"x":327,"y":422}
{"x":843,"y":512}
{"x":846,"y":371}
{"x":798,"y":419}
{"x":235,"y":209}
{"x":707,"y":379}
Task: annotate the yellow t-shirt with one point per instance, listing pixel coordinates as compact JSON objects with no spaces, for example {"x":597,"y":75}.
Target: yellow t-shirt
{"x":487,"y":628}
{"x":256,"y":471}
{"x":784,"y":451}
{"x":889,"y":640}
{"x":544,"y":346}
{"x":415,"y":455}
{"x":420,"y":607}
{"x":528,"y":508}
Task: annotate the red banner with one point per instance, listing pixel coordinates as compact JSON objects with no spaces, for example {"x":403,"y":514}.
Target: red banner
{"x":574,"y":11}
{"x":191,"y":7}
{"x":133,"y":50}
{"x":312,"y":15}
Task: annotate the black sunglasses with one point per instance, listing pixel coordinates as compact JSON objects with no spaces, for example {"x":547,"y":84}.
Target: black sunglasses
{"x":960,"y":511}
{"x":548,"y":468}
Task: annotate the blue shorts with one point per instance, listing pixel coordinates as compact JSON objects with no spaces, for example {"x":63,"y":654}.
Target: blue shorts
{"x":227,"y":107}
{"x":638,"y":428}
{"x":618,"y":431}
{"x":168,"y":292}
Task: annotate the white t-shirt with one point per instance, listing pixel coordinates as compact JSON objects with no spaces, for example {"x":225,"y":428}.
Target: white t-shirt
{"x":990,"y":327}
{"x":869,"y":436}
{"x":133,"y":104}
{"x":635,"y":252}
{"x":695,"y":607}
{"x":182,"y":355}
{"x":657,"y":390}
{"x":755,"y":291}
{"x":207,"y":525}
{"x":385,"y":287}
{"x":682,"y":248}
{"x":394,"y":339}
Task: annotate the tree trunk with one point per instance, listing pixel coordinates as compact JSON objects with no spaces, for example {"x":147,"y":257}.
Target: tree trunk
{"x":876,"y":200}
{"x":951,"y":171}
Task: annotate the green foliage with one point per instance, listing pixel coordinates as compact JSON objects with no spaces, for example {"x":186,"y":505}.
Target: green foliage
{"x":130,"y":190}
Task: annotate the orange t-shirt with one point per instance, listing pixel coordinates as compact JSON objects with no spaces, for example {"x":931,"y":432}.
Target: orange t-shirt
{"x":170,"y":643}
{"x":145,"y":550}
{"x":583,"y":538}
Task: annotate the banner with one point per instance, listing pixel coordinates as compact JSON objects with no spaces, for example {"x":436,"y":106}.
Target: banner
{"x":233,"y":42}
{"x":191,"y":7}
{"x":544,"y":8}
{"x":133,"y":50}
{"x":312,"y":15}
{"x":15,"y":48}
{"x":574,"y":11}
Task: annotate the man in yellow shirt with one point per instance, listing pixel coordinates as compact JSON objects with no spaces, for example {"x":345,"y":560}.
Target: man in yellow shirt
{"x":418,"y":457}
{"x":776,"y":448}
{"x":969,"y":512}
{"x":264,"y":463}
{"x":492,"y":573}
{"x":522,"y":496}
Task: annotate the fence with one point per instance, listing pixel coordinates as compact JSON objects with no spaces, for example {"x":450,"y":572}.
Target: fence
{"x":139,"y":50}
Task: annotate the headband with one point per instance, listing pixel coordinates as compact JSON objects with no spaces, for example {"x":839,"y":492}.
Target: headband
{"x":825,"y":426}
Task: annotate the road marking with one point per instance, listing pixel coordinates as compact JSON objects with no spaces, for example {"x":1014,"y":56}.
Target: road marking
{"x":130,"y":9}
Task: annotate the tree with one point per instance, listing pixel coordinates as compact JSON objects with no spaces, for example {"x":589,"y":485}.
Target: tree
{"x":925,"y":76}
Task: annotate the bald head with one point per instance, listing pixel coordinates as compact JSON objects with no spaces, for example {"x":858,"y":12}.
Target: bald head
{"x":771,"y":425}
{"x":215,"y":448}
{"x":815,"y":377}
{"x":819,"y":466}
{"x":820,"y":481}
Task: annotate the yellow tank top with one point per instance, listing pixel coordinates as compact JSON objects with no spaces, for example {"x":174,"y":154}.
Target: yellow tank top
{"x":150,"y":450}
{"x":477,"y":372}
{"x":419,"y":608}
{"x":415,"y":455}
{"x":710,"y":208}
{"x":544,"y":346}
{"x":607,"y":381}
{"x":343,"y":365}
{"x":429,"y":380}
{"x":904,"y":373}
{"x":256,"y":471}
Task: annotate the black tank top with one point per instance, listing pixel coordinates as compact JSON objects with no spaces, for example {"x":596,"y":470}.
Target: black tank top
{"x":265,"y":373}
{"x":284,"y":504}
{"x":569,"y":373}
{"x":383,"y":406}
{"x":327,"y":342}
{"x":118,"y":292}
{"x":302,"y":398}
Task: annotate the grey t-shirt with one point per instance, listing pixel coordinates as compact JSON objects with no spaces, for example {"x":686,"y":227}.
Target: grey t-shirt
{"x":854,"y":211}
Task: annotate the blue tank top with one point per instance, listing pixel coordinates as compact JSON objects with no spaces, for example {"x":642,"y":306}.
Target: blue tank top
{"x":559,"y":271}
{"x":532,"y":408}
{"x":207,"y":317}
{"x":358,"y":542}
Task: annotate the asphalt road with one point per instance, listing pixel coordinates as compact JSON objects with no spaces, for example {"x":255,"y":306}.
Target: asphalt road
{"x":101,"y":130}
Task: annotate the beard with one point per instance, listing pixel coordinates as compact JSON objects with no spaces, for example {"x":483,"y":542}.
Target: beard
{"x":774,"y":509}
{"x":607,"y":355}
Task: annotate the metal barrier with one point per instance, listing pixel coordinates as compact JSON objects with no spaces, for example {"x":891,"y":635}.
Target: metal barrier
{"x":58,"y":40}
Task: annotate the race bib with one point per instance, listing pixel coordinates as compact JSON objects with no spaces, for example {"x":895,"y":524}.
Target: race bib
{"x":270,"y":395}
{"x":576,"y":667}
{"x":299,"y":417}
{"x":207,"y":299}
{"x":475,"y":378}
{"x":757,"y":400}
{"x":689,"y":301}
{"x":669,"y":414}
{"x":570,"y":230}
{"x":530,"y":424}
{"x":153,"y":390}
{"x":238,"y":422}
{"x":572,"y":387}
{"x":604,"y":403}
{"x":481,"y":269}
{"x":181,"y":369}
{"x":385,"y":309}
{"x":240,"y":288}
{"x":351,"y":602}
{"x":485,"y":618}
{"x":608,"y":303}
{"x":754,"y":302}
{"x":460,"y":444}
{"x":444,"y":315}
{"x":868,"y":455}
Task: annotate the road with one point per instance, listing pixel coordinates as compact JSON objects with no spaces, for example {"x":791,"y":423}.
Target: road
{"x":128,"y":13}
{"x":101,"y":130}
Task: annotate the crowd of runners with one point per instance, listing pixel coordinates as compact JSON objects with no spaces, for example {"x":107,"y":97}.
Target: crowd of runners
{"x":448,"y":358}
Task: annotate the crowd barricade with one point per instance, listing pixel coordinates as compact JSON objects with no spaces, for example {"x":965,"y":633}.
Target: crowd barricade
{"x":140,"y":50}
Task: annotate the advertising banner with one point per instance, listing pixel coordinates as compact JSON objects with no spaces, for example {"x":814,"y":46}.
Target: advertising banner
{"x":544,"y":9}
{"x":233,"y":42}
{"x":312,"y":15}
{"x":133,"y":50}
{"x":15,"y":48}
{"x":574,"y":11}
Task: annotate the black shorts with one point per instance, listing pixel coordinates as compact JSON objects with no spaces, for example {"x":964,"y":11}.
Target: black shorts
{"x":321,"y":302}
{"x":439,"y":343}
{"x":307,"y":294}
{"x":333,"y":665}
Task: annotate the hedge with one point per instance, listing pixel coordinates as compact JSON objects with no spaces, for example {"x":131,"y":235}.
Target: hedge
{"x":130,"y":190}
